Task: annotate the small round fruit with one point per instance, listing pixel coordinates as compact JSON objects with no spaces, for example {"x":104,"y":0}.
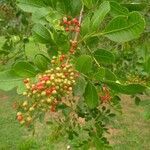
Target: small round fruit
{"x":19,"y":113}
{"x":25,"y":103}
{"x":20,"y":118}
{"x":43,"y":93}
{"x":54,"y":92}
{"x":49,"y":100}
{"x":24,"y":93}
{"x":31,"y":109}
{"x":29,"y":119}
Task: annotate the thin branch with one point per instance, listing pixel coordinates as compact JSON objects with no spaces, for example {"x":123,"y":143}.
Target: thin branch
{"x":92,"y":55}
{"x":80,"y":20}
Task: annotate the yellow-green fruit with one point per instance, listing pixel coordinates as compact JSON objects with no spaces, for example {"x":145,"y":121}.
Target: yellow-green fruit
{"x":29,"y":119}
{"x":31,"y":109}
{"x":49,"y":100}
{"x":42,"y":100}
{"x":24,"y":93}
{"x":48,"y":82}
{"x":43,"y":93}
{"x":25,"y":103}
{"x":34,"y":92}
{"x":19,"y":113}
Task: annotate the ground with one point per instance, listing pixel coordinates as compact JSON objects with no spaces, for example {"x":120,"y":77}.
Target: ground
{"x":130,"y":131}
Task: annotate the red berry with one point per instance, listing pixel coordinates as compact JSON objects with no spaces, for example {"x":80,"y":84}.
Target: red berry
{"x":62,"y":57}
{"x":66,"y":74}
{"x":46,"y":78}
{"x":69,"y":17}
{"x":34,"y":88}
{"x":65,"y":21}
{"x":53,"y":88}
{"x":72,"y":51}
{"x":75,"y":21}
{"x":40,"y":87}
{"x":53,"y":109}
{"x":48,"y":92}
{"x":26,"y":81}
{"x":20,"y":118}
{"x":69,"y":22}
{"x":67,"y":29}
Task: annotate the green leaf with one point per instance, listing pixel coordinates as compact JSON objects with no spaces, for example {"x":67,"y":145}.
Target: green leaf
{"x":79,"y":88}
{"x":109,"y":75}
{"x":39,"y":15}
{"x":21,"y":87}
{"x":85,"y":26}
{"x":41,"y":34}
{"x":99,"y":15}
{"x":9,"y":80}
{"x":130,"y":89}
{"x":32,"y":49}
{"x":147,"y":66}
{"x":91,"y":96}
{"x":41,"y":62}
{"x":88,"y":3}
{"x":135,"y":6}
{"x":137,"y":100}
{"x":30,"y":5}
{"x":117,"y":9}
{"x":104,"y":56}
{"x":100,"y":74}
{"x":123,"y":28}
{"x":104,"y":74}
{"x":84,"y":64}
{"x":24,"y":69}
{"x":97,"y":141}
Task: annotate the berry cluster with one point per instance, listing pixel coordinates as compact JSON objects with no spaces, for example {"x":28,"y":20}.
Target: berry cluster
{"x":106,"y":97}
{"x":73,"y":46}
{"x":70,"y":24}
{"x":48,"y":90}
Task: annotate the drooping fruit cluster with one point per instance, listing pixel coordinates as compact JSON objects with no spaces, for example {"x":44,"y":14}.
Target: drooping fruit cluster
{"x":71,"y":25}
{"x":50,"y":87}
{"x":105,"y":97}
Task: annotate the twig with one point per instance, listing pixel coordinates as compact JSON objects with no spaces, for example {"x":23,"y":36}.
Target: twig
{"x":92,"y":55}
{"x":80,"y":20}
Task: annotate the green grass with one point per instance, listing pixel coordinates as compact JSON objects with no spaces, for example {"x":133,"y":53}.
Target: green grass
{"x":10,"y":132}
{"x":130,"y":131}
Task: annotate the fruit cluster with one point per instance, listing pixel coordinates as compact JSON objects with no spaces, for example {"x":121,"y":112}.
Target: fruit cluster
{"x":106,"y":97}
{"x":48,"y":90}
{"x":70,"y":24}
